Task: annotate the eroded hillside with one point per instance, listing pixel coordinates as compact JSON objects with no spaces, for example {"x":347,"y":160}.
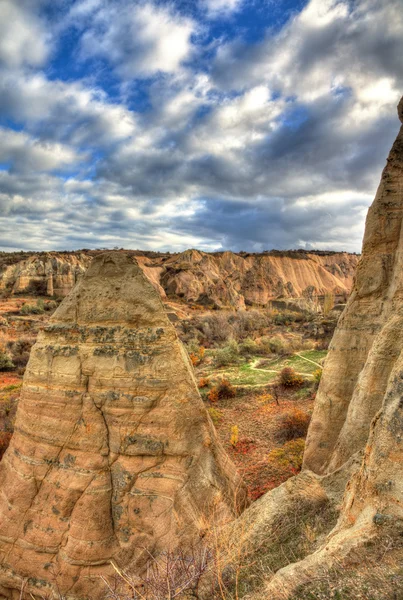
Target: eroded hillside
{"x":217,"y":280}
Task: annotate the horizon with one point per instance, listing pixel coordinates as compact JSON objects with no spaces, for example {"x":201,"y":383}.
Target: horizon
{"x":221,"y":125}
{"x":240,"y":252}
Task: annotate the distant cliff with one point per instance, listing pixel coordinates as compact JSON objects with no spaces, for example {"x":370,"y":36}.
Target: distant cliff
{"x":214,"y":280}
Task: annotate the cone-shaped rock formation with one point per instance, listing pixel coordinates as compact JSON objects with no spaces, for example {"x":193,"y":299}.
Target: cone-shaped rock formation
{"x":114,"y":456}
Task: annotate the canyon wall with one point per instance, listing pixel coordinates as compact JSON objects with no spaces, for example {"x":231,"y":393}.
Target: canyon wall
{"x":218,"y":280}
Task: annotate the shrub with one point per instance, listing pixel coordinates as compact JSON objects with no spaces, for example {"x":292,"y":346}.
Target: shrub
{"x":288,"y":456}
{"x":265,"y":398}
{"x":222,"y":390}
{"x":227,"y":355}
{"x":51,"y":305}
{"x":33,"y":309}
{"x":292,"y":424}
{"x":6,"y":364}
{"x":273,"y":345}
{"x":203,"y":382}
{"x":212,"y":396}
{"x":20,"y":351}
{"x":234,"y":435}
{"x":216,"y":328}
{"x":248,"y":346}
{"x":225,"y":389}
{"x":198,"y":356}
{"x":289,"y":378}
{"x":215,"y":415}
{"x":317,"y":375}
{"x":285,"y":317}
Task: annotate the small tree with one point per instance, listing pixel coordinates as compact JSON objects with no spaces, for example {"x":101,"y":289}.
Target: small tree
{"x":234,"y":435}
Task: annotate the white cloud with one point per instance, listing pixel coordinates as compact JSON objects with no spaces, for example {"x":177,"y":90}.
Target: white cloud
{"x":63,"y":110}
{"x":23,"y":36}
{"x":139,"y":39}
{"x":28,"y":154}
{"x":278,"y":143}
{"x":217,"y":8}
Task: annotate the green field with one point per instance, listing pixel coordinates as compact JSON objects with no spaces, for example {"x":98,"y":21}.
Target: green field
{"x":248,"y":373}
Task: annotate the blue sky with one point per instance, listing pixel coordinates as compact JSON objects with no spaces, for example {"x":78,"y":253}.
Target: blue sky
{"x":216,"y":124}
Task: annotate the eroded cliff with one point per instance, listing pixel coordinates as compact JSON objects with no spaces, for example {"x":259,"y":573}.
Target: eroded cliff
{"x":217,"y":280}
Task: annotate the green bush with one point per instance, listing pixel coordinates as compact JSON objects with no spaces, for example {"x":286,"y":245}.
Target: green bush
{"x":248,"y":347}
{"x":273,"y":345}
{"x":228,"y":355}
{"x":6,"y":364}
{"x":33,"y":309}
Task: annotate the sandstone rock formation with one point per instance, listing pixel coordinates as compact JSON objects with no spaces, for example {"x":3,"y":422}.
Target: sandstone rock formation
{"x":219,"y":280}
{"x":114,"y":457}
{"x":355,"y":440}
{"x":50,"y":274}
{"x":367,"y":341}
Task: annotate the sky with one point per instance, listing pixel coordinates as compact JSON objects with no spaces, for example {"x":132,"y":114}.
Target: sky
{"x":212,"y":124}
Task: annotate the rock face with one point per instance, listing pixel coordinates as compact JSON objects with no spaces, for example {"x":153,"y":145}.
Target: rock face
{"x":367,"y":342}
{"x":219,"y":280}
{"x":114,"y":456}
{"x":50,"y":274}
{"x":354,"y":450}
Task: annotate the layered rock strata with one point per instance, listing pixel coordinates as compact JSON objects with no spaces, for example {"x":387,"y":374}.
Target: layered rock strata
{"x":218,"y":280}
{"x":114,"y":457}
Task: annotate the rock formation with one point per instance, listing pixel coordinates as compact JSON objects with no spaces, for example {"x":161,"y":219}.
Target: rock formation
{"x":50,"y":274}
{"x":218,"y":280}
{"x":355,"y":440}
{"x":367,"y":341}
{"x":114,"y":457}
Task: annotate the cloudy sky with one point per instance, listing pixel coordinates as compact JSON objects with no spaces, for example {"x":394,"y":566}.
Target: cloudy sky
{"x":168,"y":124}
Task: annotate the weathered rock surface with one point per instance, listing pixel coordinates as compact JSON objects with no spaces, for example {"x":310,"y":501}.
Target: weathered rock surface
{"x":218,"y":280}
{"x":114,"y":456}
{"x":49,"y":274}
{"x":356,"y":433}
{"x":368,"y":339}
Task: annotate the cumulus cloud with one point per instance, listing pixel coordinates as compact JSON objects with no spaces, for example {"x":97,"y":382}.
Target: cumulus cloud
{"x":254,"y":145}
{"x":67,"y":111}
{"x":24,"y":153}
{"x":23,"y":36}
{"x":138,"y":39}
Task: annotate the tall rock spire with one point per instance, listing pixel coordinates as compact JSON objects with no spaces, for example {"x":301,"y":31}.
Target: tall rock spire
{"x":367,"y":341}
{"x":114,"y":457}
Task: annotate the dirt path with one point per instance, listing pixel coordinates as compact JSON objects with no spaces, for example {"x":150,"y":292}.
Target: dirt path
{"x":255,"y":368}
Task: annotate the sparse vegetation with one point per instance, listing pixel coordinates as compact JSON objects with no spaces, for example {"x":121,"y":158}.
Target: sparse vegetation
{"x":234,"y":435}
{"x":33,"y":309}
{"x":215,"y":414}
{"x":292,"y":424}
{"x":6,"y":363}
{"x":289,"y":378}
